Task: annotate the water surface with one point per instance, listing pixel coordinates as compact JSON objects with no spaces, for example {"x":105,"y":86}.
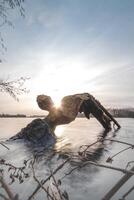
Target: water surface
{"x":87,"y":183}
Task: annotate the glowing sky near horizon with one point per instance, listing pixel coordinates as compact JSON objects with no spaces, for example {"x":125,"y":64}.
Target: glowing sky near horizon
{"x":68,"y":47}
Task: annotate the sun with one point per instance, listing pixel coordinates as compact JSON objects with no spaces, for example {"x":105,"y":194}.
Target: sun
{"x":57,"y":104}
{"x":57,"y":101}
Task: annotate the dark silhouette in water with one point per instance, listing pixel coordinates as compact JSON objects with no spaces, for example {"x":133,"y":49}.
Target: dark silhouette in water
{"x":73,"y":104}
{"x":38,"y":132}
{"x":41,"y":131}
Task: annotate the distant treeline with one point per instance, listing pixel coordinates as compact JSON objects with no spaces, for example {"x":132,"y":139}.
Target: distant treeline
{"x":122,"y":113}
{"x":10,"y":115}
{"x":36,"y":116}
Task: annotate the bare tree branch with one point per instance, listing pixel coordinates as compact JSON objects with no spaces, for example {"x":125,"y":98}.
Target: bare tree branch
{"x":7,"y":6}
{"x":39,"y":182}
{"x":1,"y":143}
{"x":118,"y":185}
{"x":4,"y":197}
{"x":7,"y":189}
{"x":44,"y":181}
{"x":127,"y":193}
{"x":110,"y":159}
{"x":14,"y":88}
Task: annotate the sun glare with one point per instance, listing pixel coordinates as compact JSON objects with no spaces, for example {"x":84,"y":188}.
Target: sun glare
{"x":56,"y":100}
{"x":59,"y":131}
{"x":57,"y":104}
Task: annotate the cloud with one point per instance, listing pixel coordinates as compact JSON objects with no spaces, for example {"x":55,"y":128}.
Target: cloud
{"x":44,"y":15}
{"x":69,"y":47}
{"x":50,"y":19}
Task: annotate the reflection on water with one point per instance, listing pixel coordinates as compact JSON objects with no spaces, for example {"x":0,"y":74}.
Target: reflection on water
{"x":59,"y":131}
{"x":83,"y":182}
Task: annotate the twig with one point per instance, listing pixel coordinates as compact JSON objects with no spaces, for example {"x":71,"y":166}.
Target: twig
{"x":14,"y":88}
{"x":57,"y":187}
{"x":1,"y":143}
{"x":128,"y":164}
{"x":44,"y":181}
{"x":100,"y":165}
{"x":118,"y":141}
{"x":101,"y":140}
{"x":4,"y":197}
{"x":6,"y":188}
{"x":66,"y":174}
{"x":109,"y":167}
{"x":110,"y":159}
{"x":87,"y":147}
{"x":118,"y":185}
{"x":127,"y":193}
{"x":17,"y":172}
{"x":39,"y":183}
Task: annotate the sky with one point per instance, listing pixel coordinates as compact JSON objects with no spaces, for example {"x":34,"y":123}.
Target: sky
{"x":68,"y":47}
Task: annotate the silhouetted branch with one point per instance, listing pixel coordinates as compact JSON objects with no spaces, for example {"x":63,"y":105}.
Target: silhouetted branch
{"x":118,"y":141}
{"x":127,"y":193}
{"x":110,"y":159}
{"x":4,"y":197}
{"x":14,"y":88}
{"x":56,"y":185}
{"x":128,"y":164}
{"x":8,"y":191}
{"x":1,"y":143}
{"x":81,"y":153}
{"x":39,"y":182}
{"x":7,"y":6}
{"x":48,"y":178}
{"x":81,"y":165}
{"x":15,"y":172}
{"x":118,"y":185}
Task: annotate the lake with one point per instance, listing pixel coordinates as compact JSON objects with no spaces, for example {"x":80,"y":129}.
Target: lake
{"x":87,"y":183}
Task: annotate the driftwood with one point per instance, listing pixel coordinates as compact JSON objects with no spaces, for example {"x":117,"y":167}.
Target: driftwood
{"x":73,"y":104}
{"x":37,"y":132}
{"x":108,"y":114}
{"x":41,"y":131}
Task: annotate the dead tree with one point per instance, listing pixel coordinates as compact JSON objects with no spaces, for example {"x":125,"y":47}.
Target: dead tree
{"x":73,"y":104}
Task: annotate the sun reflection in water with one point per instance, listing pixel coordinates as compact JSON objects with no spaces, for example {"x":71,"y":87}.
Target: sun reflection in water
{"x":62,"y":140}
{"x":59,"y":131}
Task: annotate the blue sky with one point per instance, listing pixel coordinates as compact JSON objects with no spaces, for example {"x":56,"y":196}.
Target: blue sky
{"x":71,"y":46}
